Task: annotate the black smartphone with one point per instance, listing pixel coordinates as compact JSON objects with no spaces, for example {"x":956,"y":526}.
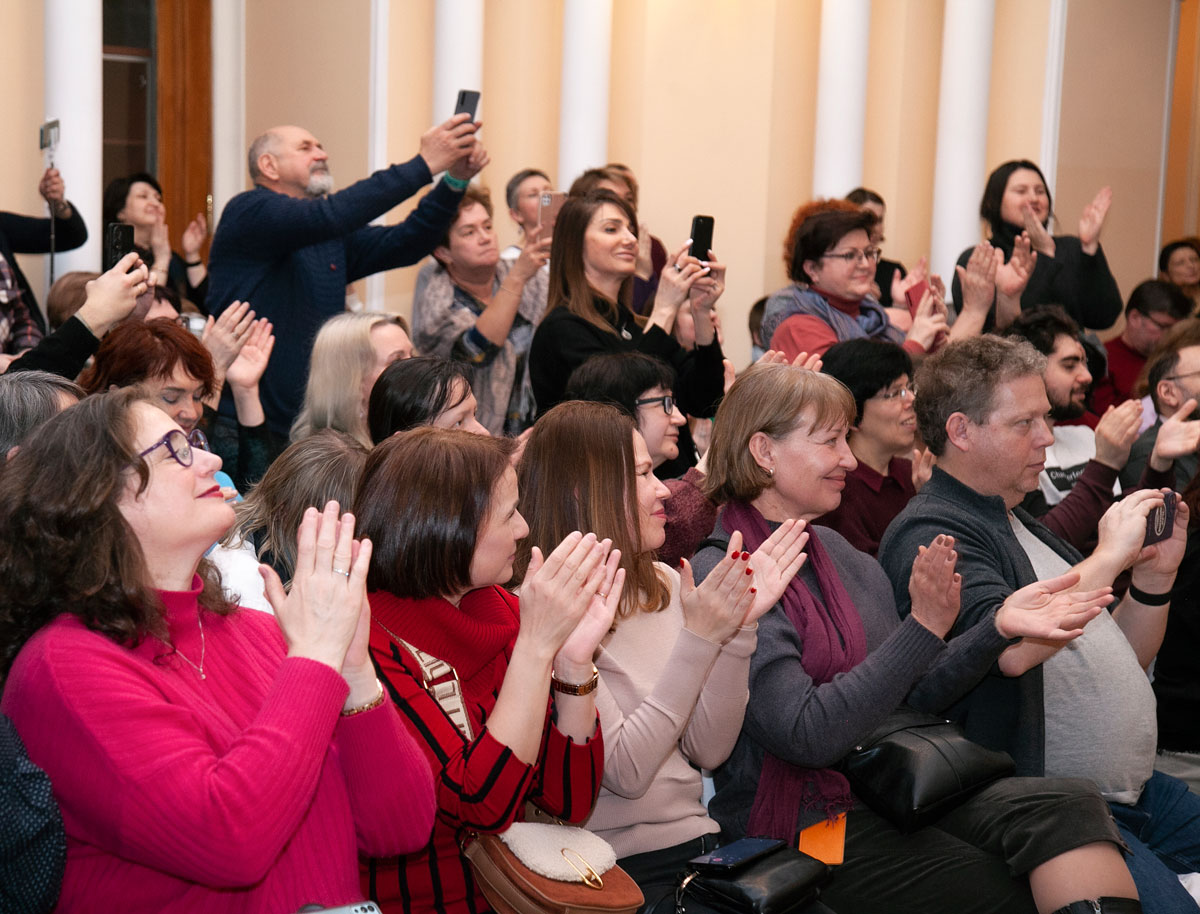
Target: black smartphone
{"x":118,"y":241}
{"x":702,"y":237}
{"x":1161,"y":522}
{"x":734,"y":855}
{"x":468,"y":102}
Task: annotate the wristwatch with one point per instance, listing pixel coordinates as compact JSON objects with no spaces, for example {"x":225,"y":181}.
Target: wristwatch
{"x":570,"y":688}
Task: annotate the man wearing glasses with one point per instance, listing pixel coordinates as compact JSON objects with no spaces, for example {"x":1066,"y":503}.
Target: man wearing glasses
{"x":1174,"y":383}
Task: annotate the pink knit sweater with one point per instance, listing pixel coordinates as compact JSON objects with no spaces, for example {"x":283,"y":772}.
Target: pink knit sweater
{"x":244,"y":791}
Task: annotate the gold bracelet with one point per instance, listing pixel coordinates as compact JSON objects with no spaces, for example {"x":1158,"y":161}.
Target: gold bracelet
{"x":369,"y":706}
{"x":571,"y":688}
{"x":509,"y":289}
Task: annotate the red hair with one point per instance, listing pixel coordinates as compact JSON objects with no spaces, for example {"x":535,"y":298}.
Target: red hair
{"x":137,"y":351}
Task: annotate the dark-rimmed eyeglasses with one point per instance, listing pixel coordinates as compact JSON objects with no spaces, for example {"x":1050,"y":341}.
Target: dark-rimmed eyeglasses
{"x":855,"y":257}
{"x":667,"y":402}
{"x":1186,"y":374}
{"x":179,"y":445}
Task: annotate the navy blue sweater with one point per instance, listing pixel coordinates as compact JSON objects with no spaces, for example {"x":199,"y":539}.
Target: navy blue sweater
{"x":292,"y":259}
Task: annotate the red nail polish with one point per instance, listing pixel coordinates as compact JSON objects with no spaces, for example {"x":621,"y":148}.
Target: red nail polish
{"x":745,"y":556}
{"x":749,"y":571}
{"x":681,"y":563}
{"x":754,"y":590}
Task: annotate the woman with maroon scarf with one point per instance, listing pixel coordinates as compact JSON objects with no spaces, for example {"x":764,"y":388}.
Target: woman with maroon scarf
{"x":834,"y":660}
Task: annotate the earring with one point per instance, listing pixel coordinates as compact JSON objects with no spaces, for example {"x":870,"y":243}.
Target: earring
{"x":770,"y":471}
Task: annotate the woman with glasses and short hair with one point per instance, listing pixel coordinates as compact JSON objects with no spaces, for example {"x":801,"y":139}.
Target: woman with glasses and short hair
{"x":831,"y":262}
{"x":878,"y":375}
{"x":204,"y":757}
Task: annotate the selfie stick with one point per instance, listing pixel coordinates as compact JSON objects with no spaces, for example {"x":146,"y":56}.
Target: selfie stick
{"x":48,"y":139}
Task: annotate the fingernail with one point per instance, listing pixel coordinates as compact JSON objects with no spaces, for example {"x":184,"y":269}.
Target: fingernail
{"x":749,"y":571}
{"x":745,"y":556}
{"x":754,"y":590}
{"x":681,"y":563}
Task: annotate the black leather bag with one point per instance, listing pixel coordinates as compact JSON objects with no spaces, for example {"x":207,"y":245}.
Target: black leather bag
{"x":915,"y":768}
{"x":783,"y":882}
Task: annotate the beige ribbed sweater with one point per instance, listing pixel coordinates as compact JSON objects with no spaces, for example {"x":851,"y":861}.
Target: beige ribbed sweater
{"x":667,"y":697}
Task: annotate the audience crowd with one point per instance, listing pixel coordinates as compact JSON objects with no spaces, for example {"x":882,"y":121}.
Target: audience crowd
{"x":546,"y":555}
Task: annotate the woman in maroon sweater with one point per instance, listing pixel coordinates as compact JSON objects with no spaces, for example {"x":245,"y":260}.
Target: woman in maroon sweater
{"x":441,"y":505}
{"x":205,"y":758}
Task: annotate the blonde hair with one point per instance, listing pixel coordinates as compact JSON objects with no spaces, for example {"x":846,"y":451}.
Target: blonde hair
{"x":341,"y":355}
{"x":775,"y":400}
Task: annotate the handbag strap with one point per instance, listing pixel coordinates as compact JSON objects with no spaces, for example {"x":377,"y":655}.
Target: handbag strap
{"x":448,"y":693}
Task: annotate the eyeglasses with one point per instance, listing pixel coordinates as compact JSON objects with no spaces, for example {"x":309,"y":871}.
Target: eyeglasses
{"x":1159,"y":324}
{"x":668,"y":402}
{"x":1186,"y":374}
{"x":179,"y":445}
{"x":855,"y":257}
{"x":902,"y":393}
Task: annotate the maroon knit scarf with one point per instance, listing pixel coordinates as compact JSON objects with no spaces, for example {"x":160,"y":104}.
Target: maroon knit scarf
{"x":834,"y":642}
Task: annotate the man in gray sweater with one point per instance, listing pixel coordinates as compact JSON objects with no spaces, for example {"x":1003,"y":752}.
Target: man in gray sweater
{"x":1080,"y":710}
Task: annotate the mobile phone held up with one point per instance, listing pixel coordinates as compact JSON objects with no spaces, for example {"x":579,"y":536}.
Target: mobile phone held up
{"x":702,"y":237}
{"x":118,"y":241}
{"x":735,"y":855}
{"x":468,"y":102}
{"x":548,"y":207}
{"x":1161,"y":522}
{"x":914,"y":296}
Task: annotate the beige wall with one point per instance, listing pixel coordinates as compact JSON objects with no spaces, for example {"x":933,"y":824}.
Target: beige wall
{"x":1111,"y":128}
{"x":21,"y":162}
{"x":713,"y":105}
{"x":901,"y":140}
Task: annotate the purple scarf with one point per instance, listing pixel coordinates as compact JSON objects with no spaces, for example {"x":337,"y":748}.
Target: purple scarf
{"x":834,"y":642}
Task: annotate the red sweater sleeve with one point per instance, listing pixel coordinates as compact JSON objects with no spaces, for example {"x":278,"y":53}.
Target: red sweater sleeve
{"x":802,"y":333}
{"x":481,"y":784}
{"x":146,"y":783}
{"x":389,"y":781}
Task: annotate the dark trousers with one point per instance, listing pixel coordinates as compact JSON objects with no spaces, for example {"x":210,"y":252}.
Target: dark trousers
{"x":976,"y":859}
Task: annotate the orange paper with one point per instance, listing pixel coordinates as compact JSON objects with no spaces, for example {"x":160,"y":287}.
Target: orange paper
{"x":826,"y":840}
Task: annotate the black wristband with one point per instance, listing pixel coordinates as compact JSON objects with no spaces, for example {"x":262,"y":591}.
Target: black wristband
{"x":193,"y":263}
{"x":1150,"y":599}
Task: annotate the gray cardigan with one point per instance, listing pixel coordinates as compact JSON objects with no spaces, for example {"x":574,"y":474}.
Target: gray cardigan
{"x":813,"y":725}
{"x":1001,"y":712}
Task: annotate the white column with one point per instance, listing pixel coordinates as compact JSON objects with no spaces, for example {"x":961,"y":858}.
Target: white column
{"x":841,"y":97}
{"x":377,"y":120}
{"x":457,"y":53}
{"x":230,"y":173}
{"x":961,"y":162}
{"x":1056,"y":53}
{"x":74,"y":71}
{"x":583,"y":104}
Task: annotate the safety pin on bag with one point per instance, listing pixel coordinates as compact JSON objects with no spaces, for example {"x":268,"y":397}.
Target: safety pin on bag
{"x":589,"y":876}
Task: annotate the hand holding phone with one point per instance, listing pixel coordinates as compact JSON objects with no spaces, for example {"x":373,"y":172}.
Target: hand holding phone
{"x":118,"y":241}
{"x":1161,"y":522}
{"x":548,"y":207}
{"x":702,"y":237}
{"x":467,"y":103}
{"x":914,"y":294}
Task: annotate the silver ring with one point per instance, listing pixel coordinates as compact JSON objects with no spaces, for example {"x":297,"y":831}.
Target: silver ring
{"x":339,"y":571}
{"x":604,"y":595}
{"x":678,"y":268}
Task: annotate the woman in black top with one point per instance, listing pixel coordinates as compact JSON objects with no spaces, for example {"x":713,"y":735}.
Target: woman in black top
{"x":1069,"y":270}
{"x":592,"y":260}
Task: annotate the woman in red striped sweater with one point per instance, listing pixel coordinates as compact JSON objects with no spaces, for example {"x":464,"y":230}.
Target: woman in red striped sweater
{"x":441,"y":507}
{"x":205,"y":758}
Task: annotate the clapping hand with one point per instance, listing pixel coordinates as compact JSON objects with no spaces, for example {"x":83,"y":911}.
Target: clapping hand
{"x":325,"y":615}
{"x":1049,"y":611}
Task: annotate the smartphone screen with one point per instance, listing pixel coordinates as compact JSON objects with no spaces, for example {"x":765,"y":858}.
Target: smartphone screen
{"x":468,"y":102}
{"x":702,"y":237}
{"x":735,"y":854}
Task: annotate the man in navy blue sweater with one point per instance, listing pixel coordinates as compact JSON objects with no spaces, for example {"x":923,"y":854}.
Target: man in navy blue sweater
{"x":290,"y":246}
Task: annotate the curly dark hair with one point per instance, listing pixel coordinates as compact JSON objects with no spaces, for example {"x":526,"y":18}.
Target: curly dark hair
{"x":66,"y":546}
{"x":816,"y":227}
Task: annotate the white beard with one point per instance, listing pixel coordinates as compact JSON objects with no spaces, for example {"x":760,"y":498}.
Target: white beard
{"x":319,"y":184}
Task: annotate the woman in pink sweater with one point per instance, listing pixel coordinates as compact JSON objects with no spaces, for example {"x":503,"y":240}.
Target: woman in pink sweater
{"x":673,"y":670}
{"x":204,"y":758}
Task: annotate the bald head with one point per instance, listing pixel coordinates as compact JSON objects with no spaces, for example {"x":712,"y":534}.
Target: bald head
{"x":290,"y":160}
